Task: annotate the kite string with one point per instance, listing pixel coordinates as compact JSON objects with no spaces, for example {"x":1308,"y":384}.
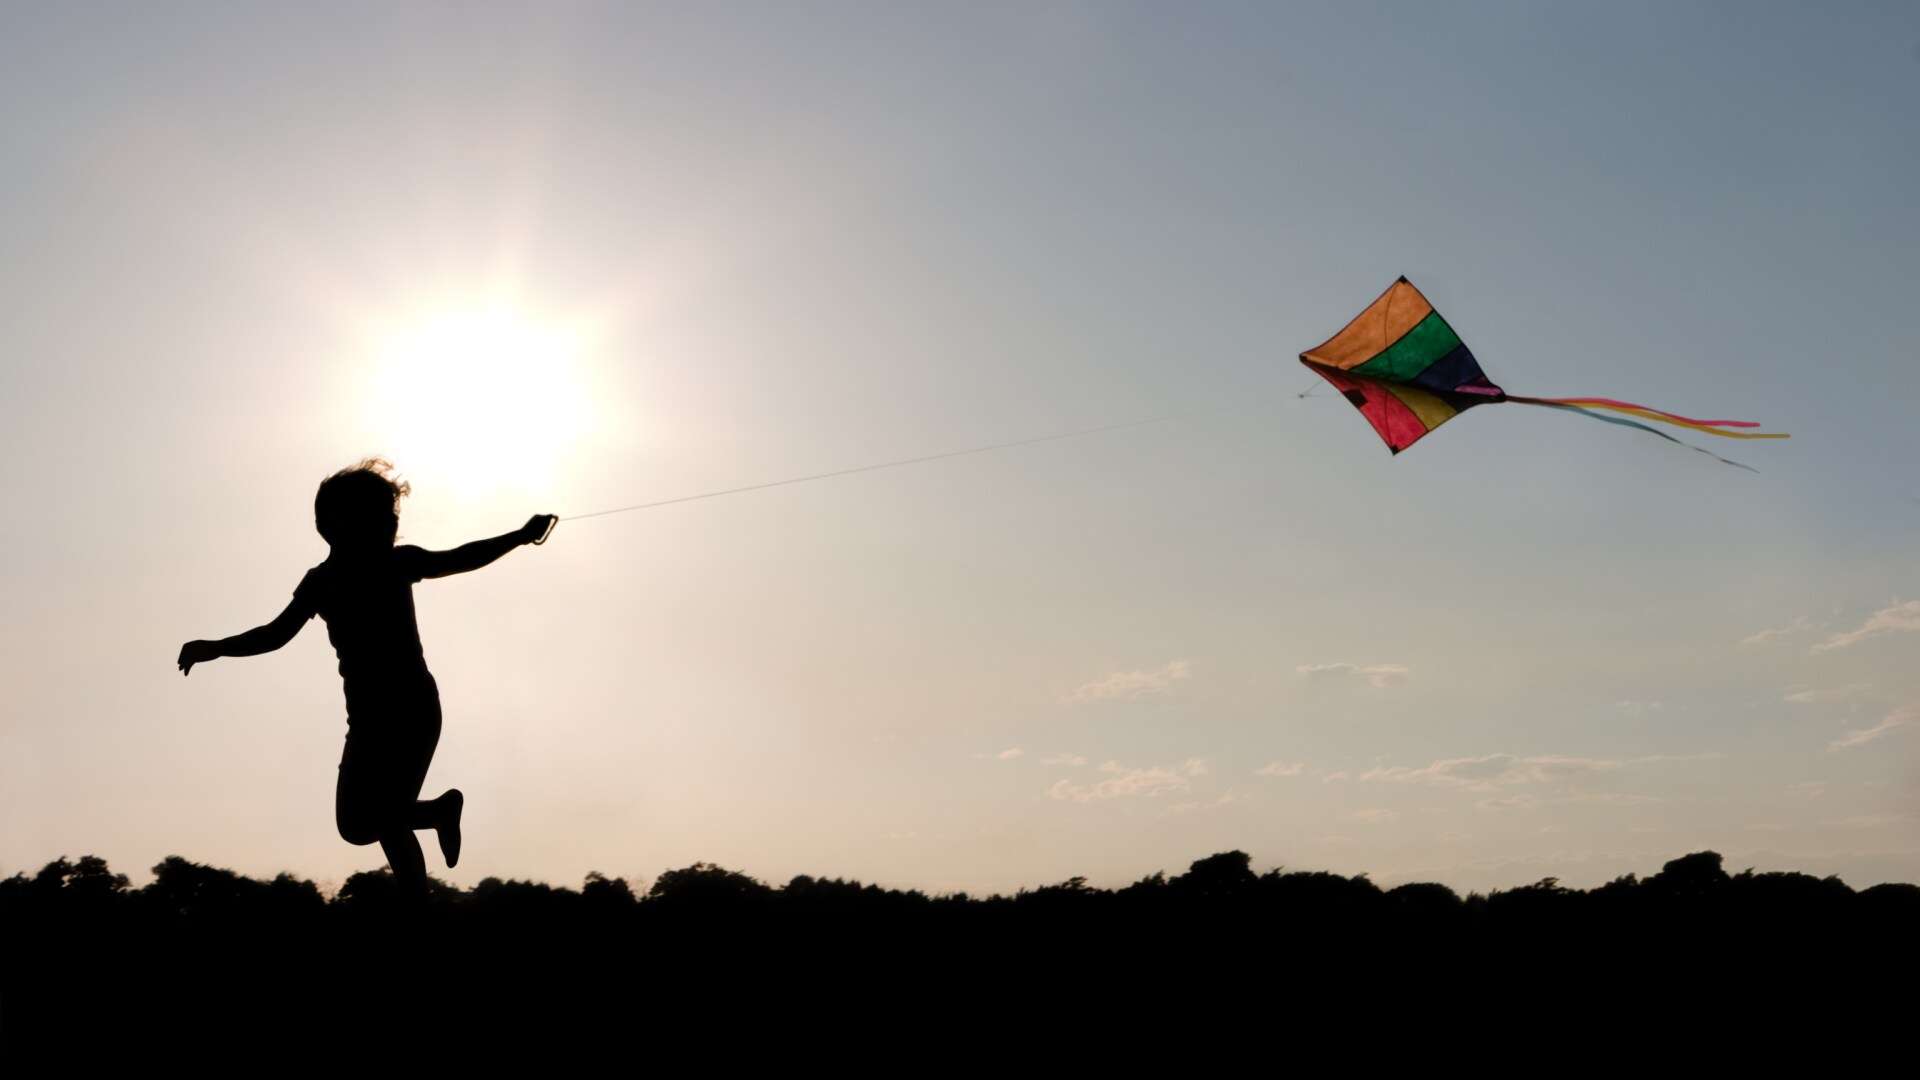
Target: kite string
{"x":870,"y":468}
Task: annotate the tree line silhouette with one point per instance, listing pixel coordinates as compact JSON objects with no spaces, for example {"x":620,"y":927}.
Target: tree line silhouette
{"x":1695,"y":888}
{"x":270,"y":956}
{"x":183,"y":892}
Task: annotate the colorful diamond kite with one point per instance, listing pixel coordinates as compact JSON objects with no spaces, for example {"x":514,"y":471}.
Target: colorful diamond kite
{"x":1404,"y":368}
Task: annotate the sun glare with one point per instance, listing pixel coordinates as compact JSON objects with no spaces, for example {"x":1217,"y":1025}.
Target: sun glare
{"x":488,"y":402}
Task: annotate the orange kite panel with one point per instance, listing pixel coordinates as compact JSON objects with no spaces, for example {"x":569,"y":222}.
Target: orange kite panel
{"x":1384,"y":322}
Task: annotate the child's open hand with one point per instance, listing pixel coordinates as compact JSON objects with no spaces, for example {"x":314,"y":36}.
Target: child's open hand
{"x":537,"y":527}
{"x":196,"y":652}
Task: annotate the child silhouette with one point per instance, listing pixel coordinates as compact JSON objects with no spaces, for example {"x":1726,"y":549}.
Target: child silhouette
{"x":364,"y":592}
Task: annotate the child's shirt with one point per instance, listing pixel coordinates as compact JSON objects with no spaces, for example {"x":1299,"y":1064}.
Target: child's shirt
{"x":367,"y":604}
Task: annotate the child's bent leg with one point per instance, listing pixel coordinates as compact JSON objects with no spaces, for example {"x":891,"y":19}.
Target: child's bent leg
{"x":375,"y":802}
{"x":431,"y":813}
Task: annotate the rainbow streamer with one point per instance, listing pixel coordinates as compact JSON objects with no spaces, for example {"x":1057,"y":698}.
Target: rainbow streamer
{"x":1709,"y":427}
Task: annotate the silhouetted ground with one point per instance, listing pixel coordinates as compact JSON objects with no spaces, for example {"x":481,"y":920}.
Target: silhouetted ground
{"x":203,"y":951}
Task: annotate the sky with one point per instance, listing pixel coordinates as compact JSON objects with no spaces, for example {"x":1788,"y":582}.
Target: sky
{"x":562,"y":258}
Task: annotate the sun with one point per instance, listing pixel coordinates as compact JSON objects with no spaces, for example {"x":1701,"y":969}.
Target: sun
{"x":488,"y":401}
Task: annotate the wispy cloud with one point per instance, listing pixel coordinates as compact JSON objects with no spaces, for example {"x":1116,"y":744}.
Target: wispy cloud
{"x":1124,"y":782}
{"x":1133,"y":685}
{"x":1612,"y":798}
{"x":1494,"y":770}
{"x":1897,"y":619}
{"x":1378,"y":676}
{"x":1010,"y":753}
{"x":1336,"y":777}
{"x":1898,"y":718}
{"x":1817,"y":696}
{"x":1070,"y":760}
{"x":1227,"y":798}
{"x":1281,"y":768}
{"x":1378,"y":815}
{"x":1871,"y":821}
{"x":1527,"y":801}
{"x":1639,"y":708}
{"x":1797,"y":626}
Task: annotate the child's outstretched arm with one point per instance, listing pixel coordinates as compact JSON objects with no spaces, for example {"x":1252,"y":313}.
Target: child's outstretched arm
{"x":479,"y":553}
{"x":260,"y":639}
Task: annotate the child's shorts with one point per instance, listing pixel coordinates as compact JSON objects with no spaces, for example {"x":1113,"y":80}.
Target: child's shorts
{"x":389,"y":748}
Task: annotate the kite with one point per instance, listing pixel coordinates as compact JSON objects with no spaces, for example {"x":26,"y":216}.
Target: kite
{"x":1407,"y":372}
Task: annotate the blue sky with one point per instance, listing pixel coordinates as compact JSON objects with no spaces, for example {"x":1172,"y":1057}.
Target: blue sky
{"x":570,"y":257}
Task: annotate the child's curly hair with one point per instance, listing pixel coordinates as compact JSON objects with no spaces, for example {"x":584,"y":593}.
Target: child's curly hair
{"x":359,"y":501}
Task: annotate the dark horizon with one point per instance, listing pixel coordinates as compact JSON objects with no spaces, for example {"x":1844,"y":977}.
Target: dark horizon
{"x":90,"y":876}
{"x":208,"y":954}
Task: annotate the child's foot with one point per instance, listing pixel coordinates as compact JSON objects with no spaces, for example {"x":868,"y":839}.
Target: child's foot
{"x":449,"y":828}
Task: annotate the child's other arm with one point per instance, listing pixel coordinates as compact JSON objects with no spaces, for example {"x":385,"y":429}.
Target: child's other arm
{"x":481,"y":552}
{"x":260,"y":639}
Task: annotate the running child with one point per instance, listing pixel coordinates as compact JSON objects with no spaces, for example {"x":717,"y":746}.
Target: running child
{"x":364,"y":592}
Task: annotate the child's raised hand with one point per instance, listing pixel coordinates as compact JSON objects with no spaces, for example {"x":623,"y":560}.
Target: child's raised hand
{"x":196,"y":652}
{"x":537,"y":527}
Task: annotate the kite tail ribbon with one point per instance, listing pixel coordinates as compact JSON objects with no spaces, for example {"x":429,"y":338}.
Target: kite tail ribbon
{"x":1591,"y":415}
{"x":1646,"y":412}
